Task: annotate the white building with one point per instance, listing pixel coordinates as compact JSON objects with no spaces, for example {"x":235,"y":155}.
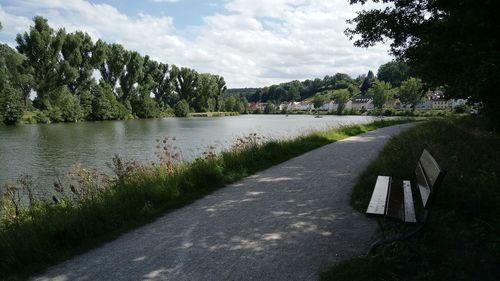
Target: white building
{"x":362,"y":103}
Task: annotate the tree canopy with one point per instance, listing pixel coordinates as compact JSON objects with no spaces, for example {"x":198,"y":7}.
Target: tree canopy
{"x":446,"y":43}
{"x":60,"y":69}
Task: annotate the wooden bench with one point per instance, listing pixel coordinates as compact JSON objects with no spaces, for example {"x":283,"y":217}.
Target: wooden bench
{"x":395,"y":201}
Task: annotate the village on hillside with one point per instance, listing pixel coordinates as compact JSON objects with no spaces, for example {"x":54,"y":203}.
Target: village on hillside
{"x":363,"y":103}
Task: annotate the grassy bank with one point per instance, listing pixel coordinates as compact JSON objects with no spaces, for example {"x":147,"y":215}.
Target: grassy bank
{"x":462,"y":241}
{"x":35,"y":233}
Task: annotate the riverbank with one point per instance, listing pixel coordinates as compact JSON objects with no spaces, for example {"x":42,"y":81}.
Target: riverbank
{"x":213,"y":114}
{"x":97,"y":209}
{"x":461,"y":239}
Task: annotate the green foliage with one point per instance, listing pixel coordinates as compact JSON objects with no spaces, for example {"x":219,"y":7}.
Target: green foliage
{"x":105,"y":106}
{"x":181,"y":109}
{"x":394,"y":73}
{"x":460,"y":240}
{"x":11,"y":105}
{"x":341,"y":97}
{"x":145,"y":107}
{"x":42,"y":47}
{"x":446,"y":43}
{"x":411,"y":92}
{"x":380,"y":92}
{"x":37,"y":233}
{"x":461,"y":108}
{"x":58,"y":66}
{"x":318,"y":101}
{"x":300,"y":90}
{"x":65,"y":106}
{"x":269,"y":108}
{"x":230,"y":103}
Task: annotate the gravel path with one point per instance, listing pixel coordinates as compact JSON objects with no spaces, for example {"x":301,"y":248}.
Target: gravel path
{"x":288,"y":222}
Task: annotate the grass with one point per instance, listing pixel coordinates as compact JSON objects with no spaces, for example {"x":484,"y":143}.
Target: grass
{"x":462,"y":240}
{"x":96,"y":209}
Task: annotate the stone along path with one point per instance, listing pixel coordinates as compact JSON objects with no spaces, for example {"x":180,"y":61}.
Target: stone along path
{"x":289,"y":222}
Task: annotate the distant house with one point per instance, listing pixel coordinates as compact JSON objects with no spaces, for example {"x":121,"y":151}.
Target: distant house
{"x":306,"y":105}
{"x":425,"y":104}
{"x":294,"y":105}
{"x":439,"y":104}
{"x":283,"y":106}
{"x":329,"y":105}
{"x":362,"y":103}
{"x":394,"y":103}
{"x":257,"y":105}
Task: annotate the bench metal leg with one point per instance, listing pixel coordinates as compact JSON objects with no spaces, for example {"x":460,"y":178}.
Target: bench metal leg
{"x":398,"y":237}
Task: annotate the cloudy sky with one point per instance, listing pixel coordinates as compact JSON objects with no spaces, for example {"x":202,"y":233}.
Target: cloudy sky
{"x":249,"y":42}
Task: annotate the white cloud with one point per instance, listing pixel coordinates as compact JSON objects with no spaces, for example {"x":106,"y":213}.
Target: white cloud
{"x":165,"y":1}
{"x":250,"y":43}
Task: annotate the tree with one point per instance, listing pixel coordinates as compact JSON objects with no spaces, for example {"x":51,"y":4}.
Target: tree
{"x":394,"y":72}
{"x":318,"y":101}
{"x":63,"y":106}
{"x":367,"y":83}
{"x":113,"y":64}
{"x":341,"y":97}
{"x":269,"y":108}
{"x":185,"y":84}
{"x":380,"y":92}
{"x":132,"y":75}
{"x":181,"y":109}
{"x":230,"y":104}
{"x":105,"y":106}
{"x":446,"y":43}
{"x":11,"y":105}
{"x":411,"y":92}
{"x":42,"y":47}
{"x":221,"y":86}
{"x":18,"y":73}
{"x":78,"y":51}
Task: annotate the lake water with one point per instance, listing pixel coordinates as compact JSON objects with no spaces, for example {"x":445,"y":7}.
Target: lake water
{"x":47,"y":151}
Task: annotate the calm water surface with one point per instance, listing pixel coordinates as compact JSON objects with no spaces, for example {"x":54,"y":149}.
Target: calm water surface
{"x":47,"y":151}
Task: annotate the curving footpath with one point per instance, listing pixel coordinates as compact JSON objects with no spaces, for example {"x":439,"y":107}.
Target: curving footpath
{"x":289,"y":222}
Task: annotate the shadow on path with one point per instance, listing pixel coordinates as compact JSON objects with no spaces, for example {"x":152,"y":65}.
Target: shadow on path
{"x":288,"y":222}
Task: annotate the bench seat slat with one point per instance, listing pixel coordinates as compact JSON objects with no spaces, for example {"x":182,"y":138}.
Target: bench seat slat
{"x":379,"y":196}
{"x":408,"y":203}
{"x":395,"y":206}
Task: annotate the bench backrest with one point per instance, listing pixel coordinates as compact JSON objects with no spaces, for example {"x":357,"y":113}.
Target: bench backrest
{"x":429,"y":177}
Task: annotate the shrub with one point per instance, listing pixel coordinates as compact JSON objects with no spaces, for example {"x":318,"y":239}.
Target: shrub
{"x":181,"y":108}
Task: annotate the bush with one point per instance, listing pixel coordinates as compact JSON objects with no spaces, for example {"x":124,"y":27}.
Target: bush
{"x":181,"y":108}
{"x":11,"y":104}
{"x":461,"y":108}
{"x":145,"y":107}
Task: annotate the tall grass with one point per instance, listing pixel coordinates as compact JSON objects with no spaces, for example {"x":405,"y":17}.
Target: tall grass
{"x":462,"y":240}
{"x":38,"y":232}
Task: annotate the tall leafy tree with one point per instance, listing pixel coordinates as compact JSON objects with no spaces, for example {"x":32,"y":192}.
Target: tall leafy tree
{"x":42,"y":47}
{"x":447,"y":43}
{"x":132,"y":75}
{"x":341,"y":97}
{"x":380,"y":92}
{"x":411,"y":92}
{"x":367,"y":83}
{"x":113,"y":64}
{"x":185,"y":84}
{"x":17,"y":71}
{"x":79,"y":51}
{"x":394,"y":72}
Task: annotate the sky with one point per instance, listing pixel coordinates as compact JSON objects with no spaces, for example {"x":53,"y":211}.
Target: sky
{"x":252,"y":43}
